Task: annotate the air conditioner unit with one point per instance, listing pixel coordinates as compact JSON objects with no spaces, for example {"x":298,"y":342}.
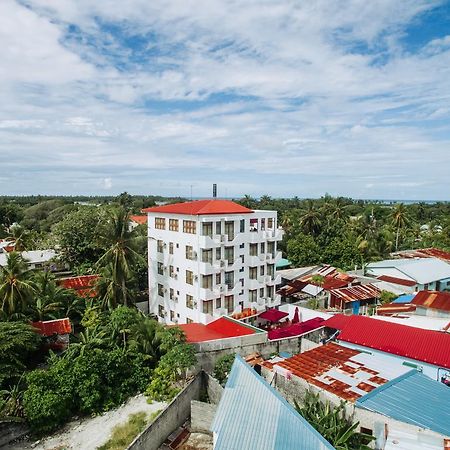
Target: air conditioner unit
{"x":164,"y":244}
{"x":222,"y":263}
{"x":175,"y":299}
{"x":223,"y":238}
{"x":175,"y":275}
{"x":164,"y":290}
{"x":269,"y":256}
{"x":194,"y":255}
{"x":221,"y":288}
{"x":195,"y":277}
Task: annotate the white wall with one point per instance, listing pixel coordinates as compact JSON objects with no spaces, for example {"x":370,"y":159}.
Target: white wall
{"x":199,"y":242}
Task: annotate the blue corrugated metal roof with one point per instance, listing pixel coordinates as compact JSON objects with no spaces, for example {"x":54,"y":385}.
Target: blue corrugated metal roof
{"x":253,"y":415}
{"x":407,"y":298}
{"x":413,"y":398}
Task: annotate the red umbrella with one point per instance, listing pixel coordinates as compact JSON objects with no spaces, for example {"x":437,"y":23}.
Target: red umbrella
{"x":296,"y":318}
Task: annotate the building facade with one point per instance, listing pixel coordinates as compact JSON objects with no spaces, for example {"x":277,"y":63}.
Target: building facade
{"x":210,"y":258}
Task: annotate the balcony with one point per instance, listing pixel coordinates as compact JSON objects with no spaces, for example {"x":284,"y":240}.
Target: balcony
{"x":207,"y":242}
{"x":276,"y":235}
{"x":207,"y":294}
{"x":207,"y":268}
{"x":253,"y":284}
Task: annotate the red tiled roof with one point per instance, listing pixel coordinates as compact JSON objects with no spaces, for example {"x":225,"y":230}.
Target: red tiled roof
{"x":221,"y":328}
{"x":359,"y":292}
{"x":432,"y":299}
{"x":139,"y":219}
{"x":51,"y":327}
{"x":83,"y":285}
{"x":200,"y":208}
{"x":395,"y":280}
{"x":415,"y":343}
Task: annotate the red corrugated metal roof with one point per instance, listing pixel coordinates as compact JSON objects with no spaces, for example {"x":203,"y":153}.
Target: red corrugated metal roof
{"x":354,"y":293}
{"x":402,"y":340}
{"x":432,"y":299}
{"x":200,"y":208}
{"x":221,"y":328}
{"x":83,"y":285}
{"x":52,"y":327}
{"x":395,"y":280}
{"x":139,"y":219}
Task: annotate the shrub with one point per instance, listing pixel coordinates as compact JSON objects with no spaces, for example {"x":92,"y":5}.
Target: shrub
{"x":223,"y":367}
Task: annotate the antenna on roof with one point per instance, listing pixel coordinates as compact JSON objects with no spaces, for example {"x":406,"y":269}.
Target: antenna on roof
{"x":191,"y":192}
{"x":214,"y":190}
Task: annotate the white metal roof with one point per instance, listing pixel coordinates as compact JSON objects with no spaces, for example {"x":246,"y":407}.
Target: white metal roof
{"x":32,"y":256}
{"x":422,"y":270}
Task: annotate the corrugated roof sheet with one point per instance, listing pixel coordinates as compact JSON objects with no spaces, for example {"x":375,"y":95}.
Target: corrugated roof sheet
{"x":424,"y":253}
{"x":433,"y":299}
{"x":415,"y":343}
{"x":200,"y":207}
{"x":345,"y":372}
{"x":413,"y":398}
{"x":83,"y":285}
{"x":359,"y":292}
{"x":423,"y":270}
{"x":406,"y":298}
{"x":273,"y":315}
{"x":297,"y":329}
{"x":396,"y":280}
{"x":253,"y":415}
{"x":395,"y":308}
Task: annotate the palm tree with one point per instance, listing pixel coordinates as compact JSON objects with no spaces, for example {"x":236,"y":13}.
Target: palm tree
{"x":400,"y":219}
{"x":145,"y":337}
{"x":49,"y":297}
{"x":337,"y":208}
{"x":20,"y":236}
{"x":16,"y":285}
{"x":121,"y":256}
{"x":310,"y":219}
{"x":109,"y":292}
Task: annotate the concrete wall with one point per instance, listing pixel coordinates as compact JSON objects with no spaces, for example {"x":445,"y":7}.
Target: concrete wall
{"x":294,"y":345}
{"x":213,"y":389}
{"x":202,"y":415}
{"x":170,"y":419}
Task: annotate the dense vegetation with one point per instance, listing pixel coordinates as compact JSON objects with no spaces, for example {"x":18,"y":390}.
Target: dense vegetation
{"x":348,"y":233}
{"x":115,"y":351}
{"x":333,"y":423}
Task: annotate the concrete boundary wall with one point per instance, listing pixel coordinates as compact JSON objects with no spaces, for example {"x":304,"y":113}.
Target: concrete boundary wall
{"x":172,"y":417}
{"x":293,"y":345}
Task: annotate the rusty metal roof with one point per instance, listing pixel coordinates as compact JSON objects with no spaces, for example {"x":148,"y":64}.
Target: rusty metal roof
{"x":424,"y":253}
{"x":354,"y":293}
{"x":432,"y":299}
{"x":345,"y":372}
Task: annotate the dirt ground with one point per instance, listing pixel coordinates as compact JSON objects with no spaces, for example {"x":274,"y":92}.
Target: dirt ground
{"x":90,"y":433}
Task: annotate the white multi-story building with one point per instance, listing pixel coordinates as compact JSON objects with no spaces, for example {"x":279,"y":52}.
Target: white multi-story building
{"x":209,"y":258}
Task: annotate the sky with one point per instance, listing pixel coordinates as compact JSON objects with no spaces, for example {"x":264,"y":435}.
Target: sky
{"x":285,"y":98}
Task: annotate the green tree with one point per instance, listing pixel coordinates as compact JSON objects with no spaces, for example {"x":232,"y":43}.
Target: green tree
{"x":310,"y":219}
{"x":121,"y":255}
{"x":400,"y":218}
{"x":222,"y":368}
{"x":17,"y":342}
{"x":16,"y":286}
{"x":333,"y":423}
{"x":78,"y":237}
{"x":303,"y":250}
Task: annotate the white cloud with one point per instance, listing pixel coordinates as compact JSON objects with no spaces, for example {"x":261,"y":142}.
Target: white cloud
{"x":263,"y":96}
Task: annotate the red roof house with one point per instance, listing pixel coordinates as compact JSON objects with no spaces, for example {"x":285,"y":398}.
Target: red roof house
{"x":53,"y":327}
{"x":428,"y":346}
{"x":432,"y":299}
{"x":200,"y":208}
{"x":139,"y":219}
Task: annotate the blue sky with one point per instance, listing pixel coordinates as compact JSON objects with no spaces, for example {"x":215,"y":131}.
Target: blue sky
{"x":282,"y":98}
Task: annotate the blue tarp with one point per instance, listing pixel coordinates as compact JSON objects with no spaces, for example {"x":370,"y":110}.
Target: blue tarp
{"x":407,"y":298}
